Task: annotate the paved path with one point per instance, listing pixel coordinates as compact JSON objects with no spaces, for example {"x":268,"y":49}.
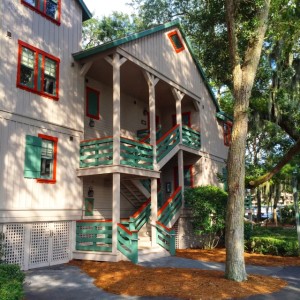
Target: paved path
{"x":65,"y":282}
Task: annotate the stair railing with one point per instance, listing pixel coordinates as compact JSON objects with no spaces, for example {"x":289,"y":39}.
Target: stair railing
{"x":191,"y":138}
{"x":165,"y":237}
{"x":140,"y":217}
{"x":128,"y":243}
{"x":170,"y":207}
{"x":167,"y":142}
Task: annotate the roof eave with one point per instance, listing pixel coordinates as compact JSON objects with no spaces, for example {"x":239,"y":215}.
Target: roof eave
{"x":86,"y":14}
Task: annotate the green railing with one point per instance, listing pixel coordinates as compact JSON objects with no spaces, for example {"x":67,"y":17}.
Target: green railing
{"x":167,"y":142}
{"x":96,"y":152}
{"x":143,"y":135}
{"x":128,"y":243}
{"x":170,"y":207}
{"x":140,"y":217}
{"x":165,"y":237}
{"x":191,"y":138}
{"x":94,"y":235}
{"x":136,"y":154}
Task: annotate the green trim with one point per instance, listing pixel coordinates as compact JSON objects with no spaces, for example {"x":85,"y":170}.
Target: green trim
{"x":98,"y":49}
{"x":221,"y":115}
{"x":86,"y":14}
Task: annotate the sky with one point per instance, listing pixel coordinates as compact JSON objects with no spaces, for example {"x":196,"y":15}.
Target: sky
{"x":100,"y":8}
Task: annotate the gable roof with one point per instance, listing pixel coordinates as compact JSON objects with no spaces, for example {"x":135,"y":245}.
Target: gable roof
{"x":115,"y":43}
{"x":86,"y":14}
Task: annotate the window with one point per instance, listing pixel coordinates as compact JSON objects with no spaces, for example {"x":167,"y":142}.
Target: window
{"x":186,"y":119}
{"x":227,"y":128}
{"x":49,"y":9}
{"x":176,"y":41}
{"x":40,"y":158}
{"x":92,"y":103}
{"x":38,"y":72}
{"x":188,"y":177}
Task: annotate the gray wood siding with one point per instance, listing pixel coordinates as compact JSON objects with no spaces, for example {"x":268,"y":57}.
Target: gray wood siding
{"x":24,"y":199}
{"x":30,"y":27}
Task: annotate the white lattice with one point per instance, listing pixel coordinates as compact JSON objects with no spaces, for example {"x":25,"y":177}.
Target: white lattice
{"x":14,"y":243}
{"x":39,"y":244}
{"x":61,"y":241}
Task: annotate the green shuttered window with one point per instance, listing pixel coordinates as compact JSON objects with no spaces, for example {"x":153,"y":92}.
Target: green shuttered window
{"x":92,"y":103}
{"x":176,"y":41}
{"x":40,"y":158}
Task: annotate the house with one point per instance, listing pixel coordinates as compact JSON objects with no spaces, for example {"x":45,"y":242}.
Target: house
{"x":97,"y":146}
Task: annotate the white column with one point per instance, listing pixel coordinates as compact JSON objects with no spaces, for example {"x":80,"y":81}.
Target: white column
{"x":153,"y":211}
{"x":152,"y":81}
{"x":180,"y":173}
{"x":116,"y":192}
{"x":116,"y":61}
{"x":178,"y":97}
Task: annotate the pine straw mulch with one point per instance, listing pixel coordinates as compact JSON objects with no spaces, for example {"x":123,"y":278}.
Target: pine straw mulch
{"x":125,"y":278}
{"x":219,"y":255}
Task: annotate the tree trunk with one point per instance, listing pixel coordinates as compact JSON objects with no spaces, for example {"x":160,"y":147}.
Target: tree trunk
{"x":276,"y":200}
{"x":258,"y":197}
{"x":242,"y":78}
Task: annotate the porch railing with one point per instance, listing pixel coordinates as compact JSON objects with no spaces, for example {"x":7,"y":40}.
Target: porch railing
{"x":170,"y":207}
{"x":165,"y":237}
{"x":191,"y":138}
{"x":140,"y":217}
{"x":96,"y":152}
{"x":167,"y":142}
{"x":128,"y":243}
{"x":93,"y":235}
{"x":136,"y":154}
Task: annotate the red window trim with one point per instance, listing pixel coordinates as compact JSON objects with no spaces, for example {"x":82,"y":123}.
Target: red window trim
{"x":176,"y":179}
{"x":227,"y":134}
{"x":42,"y":13}
{"x":55,"y":140}
{"x":87,"y":100}
{"x":44,"y":54}
{"x":175,"y":32}
{"x":188,"y":113}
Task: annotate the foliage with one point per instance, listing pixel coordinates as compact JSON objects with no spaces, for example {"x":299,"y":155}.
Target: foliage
{"x":11,"y":282}
{"x":208,"y":205}
{"x":287,"y":215}
{"x":117,"y":25}
{"x":1,"y":246}
{"x":248,"y":231}
{"x":274,"y":241}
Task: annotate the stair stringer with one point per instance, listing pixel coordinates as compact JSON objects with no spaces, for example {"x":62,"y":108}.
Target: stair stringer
{"x":168,"y":157}
{"x":142,"y":189}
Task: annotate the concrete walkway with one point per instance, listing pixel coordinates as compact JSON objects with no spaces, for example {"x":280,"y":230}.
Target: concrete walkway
{"x":66,"y":282}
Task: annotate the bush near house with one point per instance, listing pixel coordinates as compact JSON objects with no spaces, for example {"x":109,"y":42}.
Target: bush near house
{"x":208,"y":206}
{"x":273,"y":240}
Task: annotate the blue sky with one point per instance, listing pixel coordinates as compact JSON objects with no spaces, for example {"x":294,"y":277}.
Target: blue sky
{"x":100,"y":8}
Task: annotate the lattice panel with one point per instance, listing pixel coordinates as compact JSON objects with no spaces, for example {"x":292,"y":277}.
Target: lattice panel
{"x":61,"y":241}
{"x":175,"y":227}
{"x":39,"y":244}
{"x":14,"y":243}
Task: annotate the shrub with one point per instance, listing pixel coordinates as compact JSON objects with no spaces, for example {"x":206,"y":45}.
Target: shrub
{"x":287,"y":215}
{"x":11,"y":282}
{"x":248,"y":231}
{"x":208,"y":205}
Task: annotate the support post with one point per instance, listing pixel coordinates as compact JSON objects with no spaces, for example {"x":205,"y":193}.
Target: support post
{"x":116,"y":192}
{"x":152,"y":81}
{"x":178,"y":97}
{"x":116,"y":61}
{"x":180,"y":173}
{"x":153,"y":211}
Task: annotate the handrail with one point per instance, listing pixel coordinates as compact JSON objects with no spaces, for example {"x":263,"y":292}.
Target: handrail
{"x":128,"y":243}
{"x":172,"y":197}
{"x":191,"y":137}
{"x":167,"y":133}
{"x":138,"y":212}
{"x":140,"y":217}
{"x":165,"y":237}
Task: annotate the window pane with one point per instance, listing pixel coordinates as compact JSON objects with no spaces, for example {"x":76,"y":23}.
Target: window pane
{"x":176,"y":40}
{"x":47,"y":159}
{"x":50,"y":77}
{"x":51,"y":8}
{"x":27,"y":68}
{"x":31,"y":2}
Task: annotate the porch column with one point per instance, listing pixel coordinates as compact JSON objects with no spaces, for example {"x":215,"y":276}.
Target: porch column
{"x":153,"y":210}
{"x":152,"y":81}
{"x":116,"y":192}
{"x":116,"y":61}
{"x":180,"y":173}
{"x":178,"y":97}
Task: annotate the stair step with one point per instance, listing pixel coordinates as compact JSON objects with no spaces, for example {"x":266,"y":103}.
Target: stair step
{"x":149,"y":254}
